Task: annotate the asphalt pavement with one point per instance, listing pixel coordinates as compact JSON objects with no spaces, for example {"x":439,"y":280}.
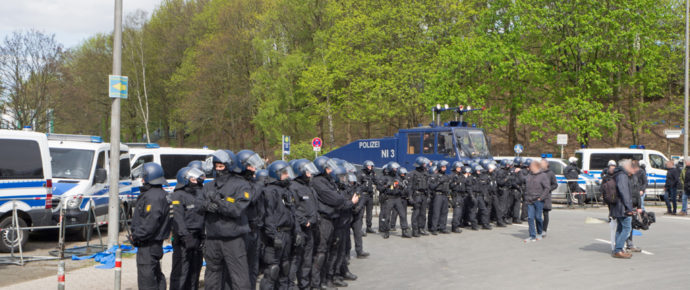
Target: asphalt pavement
{"x":575,"y":255}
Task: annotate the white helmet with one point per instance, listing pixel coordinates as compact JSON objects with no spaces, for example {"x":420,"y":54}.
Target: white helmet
{"x":572,"y":159}
{"x":612,"y":163}
{"x":643,"y":163}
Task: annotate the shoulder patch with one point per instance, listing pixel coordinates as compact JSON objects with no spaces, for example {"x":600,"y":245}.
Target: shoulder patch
{"x":175,"y":202}
{"x":246,"y":194}
{"x":148,"y":208}
{"x":230,"y":199}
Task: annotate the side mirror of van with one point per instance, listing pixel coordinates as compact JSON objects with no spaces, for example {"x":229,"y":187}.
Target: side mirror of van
{"x":101,"y":175}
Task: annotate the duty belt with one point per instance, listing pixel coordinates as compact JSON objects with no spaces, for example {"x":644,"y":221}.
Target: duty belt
{"x":284,"y":229}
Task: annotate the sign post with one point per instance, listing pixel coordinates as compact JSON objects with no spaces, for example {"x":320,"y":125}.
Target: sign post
{"x":562,"y":139}
{"x":286,"y":147}
{"x":518,"y":149}
{"x":117,"y":90}
{"x":316,"y":144}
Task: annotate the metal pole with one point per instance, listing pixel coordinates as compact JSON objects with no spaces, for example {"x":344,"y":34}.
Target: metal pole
{"x":118,"y":268}
{"x":687,"y":81}
{"x":282,"y":155}
{"x":114,"y":195}
{"x":61,"y":248}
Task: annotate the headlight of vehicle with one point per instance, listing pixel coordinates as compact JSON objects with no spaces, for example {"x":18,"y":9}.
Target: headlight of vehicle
{"x":73,"y":202}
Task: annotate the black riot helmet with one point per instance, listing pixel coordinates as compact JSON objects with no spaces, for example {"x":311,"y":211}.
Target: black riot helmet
{"x":402,"y":172}
{"x":339,"y":174}
{"x":323,"y":162}
{"x":278,"y":169}
{"x":185,"y":174}
{"x":456,"y":165}
{"x":249,"y":159}
{"x":304,"y":167}
{"x":393,"y":168}
{"x":466,"y":169}
{"x":225,"y":157}
{"x":153,"y":174}
{"x":517,"y":161}
{"x":261,"y":176}
{"x":443,"y":163}
{"x":421,"y":162}
{"x":366,"y":164}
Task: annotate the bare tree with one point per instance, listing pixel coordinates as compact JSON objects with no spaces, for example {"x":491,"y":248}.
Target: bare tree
{"x":134,"y":45}
{"x":28,"y":69}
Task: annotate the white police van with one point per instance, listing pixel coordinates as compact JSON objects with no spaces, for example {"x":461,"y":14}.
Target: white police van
{"x":81,"y":170}
{"x":557,"y":165}
{"x":592,"y":161}
{"x":171,"y":159}
{"x":25,"y":184}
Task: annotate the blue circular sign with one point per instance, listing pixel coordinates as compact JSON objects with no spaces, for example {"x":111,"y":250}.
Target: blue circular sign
{"x":518,"y":148}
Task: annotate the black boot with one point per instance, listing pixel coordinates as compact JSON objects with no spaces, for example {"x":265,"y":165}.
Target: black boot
{"x":386,"y":235}
{"x":406,"y":233}
{"x":349,"y":276}
{"x":369,"y":230}
{"x":423,"y":232}
{"x":362,"y":255}
{"x":338,"y":282}
{"x":457,"y":230}
{"x":486,"y":227}
{"x":415,"y":233}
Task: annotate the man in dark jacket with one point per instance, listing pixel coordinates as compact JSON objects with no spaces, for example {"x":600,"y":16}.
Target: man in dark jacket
{"x":331,"y":201}
{"x":226,"y":199}
{"x":572,"y":174}
{"x":622,"y":210}
{"x":368,"y":180}
{"x":547,"y":202}
{"x":188,"y":229}
{"x":671,"y":186}
{"x":150,"y":226}
{"x":308,"y":218}
{"x":686,"y":187}
{"x":419,"y":187}
{"x":537,"y":188}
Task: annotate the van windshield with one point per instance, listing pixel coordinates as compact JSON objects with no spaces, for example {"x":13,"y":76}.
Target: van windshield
{"x":472,"y":144}
{"x":71,"y":163}
{"x":599,"y":161}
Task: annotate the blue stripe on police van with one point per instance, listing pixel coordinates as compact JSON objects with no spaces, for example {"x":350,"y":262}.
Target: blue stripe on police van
{"x":22,"y":184}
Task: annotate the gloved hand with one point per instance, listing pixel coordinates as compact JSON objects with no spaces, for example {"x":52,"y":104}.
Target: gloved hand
{"x":133,"y":241}
{"x":211,"y":207}
{"x":299,"y":240}
{"x":190,"y":242}
{"x":278,"y":244}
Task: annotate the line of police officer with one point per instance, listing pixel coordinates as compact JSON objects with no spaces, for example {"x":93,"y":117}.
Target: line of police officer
{"x":479,"y":193}
{"x":290,"y":223}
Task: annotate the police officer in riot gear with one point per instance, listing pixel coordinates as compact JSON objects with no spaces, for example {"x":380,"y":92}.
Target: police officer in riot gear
{"x":502,"y":182}
{"x":330,"y":203}
{"x":515,"y":179}
{"x":307,"y":216}
{"x":354,"y":186}
{"x":458,"y":194}
{"x":346,"y":181}
{"x":480,"y":212}
{"x":150,"y":226}
{"x":392,"y":188}
{"x":495,"y":209}
{"x":368,"y":180}
{"x":419,"y":187}
{"x":187,"y":228}
{"x":523,"y":184}
{"x":439,"y":184}
{"x":226,"y":200}
{"x":280,"y":227}
{"x":404,"y":185}
{"x":248,"y":163}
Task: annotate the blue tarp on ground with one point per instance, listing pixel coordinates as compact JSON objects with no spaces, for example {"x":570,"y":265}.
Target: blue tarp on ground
{"x":107,"y":258}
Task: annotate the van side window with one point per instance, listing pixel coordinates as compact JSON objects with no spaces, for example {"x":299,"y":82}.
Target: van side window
{"x":556,"y":167}
{"x":413,"y":143}
{"x":599,"y":161}
{"x":172,"y":163}
{"x":656,"y":161}
{"x":124,"y":166}
{"x":141,"y":160}
{"x":100,"y":162}
{"x":428,"y":143}
{"x":21,"y":159}
{"x":445,"y":144}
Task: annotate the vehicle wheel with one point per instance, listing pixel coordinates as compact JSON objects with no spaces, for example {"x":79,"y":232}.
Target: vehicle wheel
{"x":9,"y":239}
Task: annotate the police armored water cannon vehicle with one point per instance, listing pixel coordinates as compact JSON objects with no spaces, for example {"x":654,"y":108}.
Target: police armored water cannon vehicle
{"x":452,"y":141}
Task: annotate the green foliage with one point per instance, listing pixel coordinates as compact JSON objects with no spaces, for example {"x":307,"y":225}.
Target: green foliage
{"x":241,"y":73}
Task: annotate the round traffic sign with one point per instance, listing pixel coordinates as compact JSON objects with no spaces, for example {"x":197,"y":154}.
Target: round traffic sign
{"x":316,"y":142}
{"x":518,"y":148}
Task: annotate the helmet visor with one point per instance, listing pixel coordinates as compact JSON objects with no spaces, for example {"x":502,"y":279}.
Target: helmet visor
{"x":350,"y":168}
{"x":195,"y":173}
{"x":287,"y":171}
{"x":331,"y":164}
{"x":255,"y":161}
{"x":351,"y":177}
{"x":311,"y":168}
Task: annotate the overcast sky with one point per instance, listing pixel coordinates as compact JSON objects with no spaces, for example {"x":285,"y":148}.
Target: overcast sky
{"x":71,"y":21}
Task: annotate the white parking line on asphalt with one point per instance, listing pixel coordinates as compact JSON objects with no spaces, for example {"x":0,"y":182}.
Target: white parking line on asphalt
{"x":609,"y":242}
{"x":676,"y":218}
